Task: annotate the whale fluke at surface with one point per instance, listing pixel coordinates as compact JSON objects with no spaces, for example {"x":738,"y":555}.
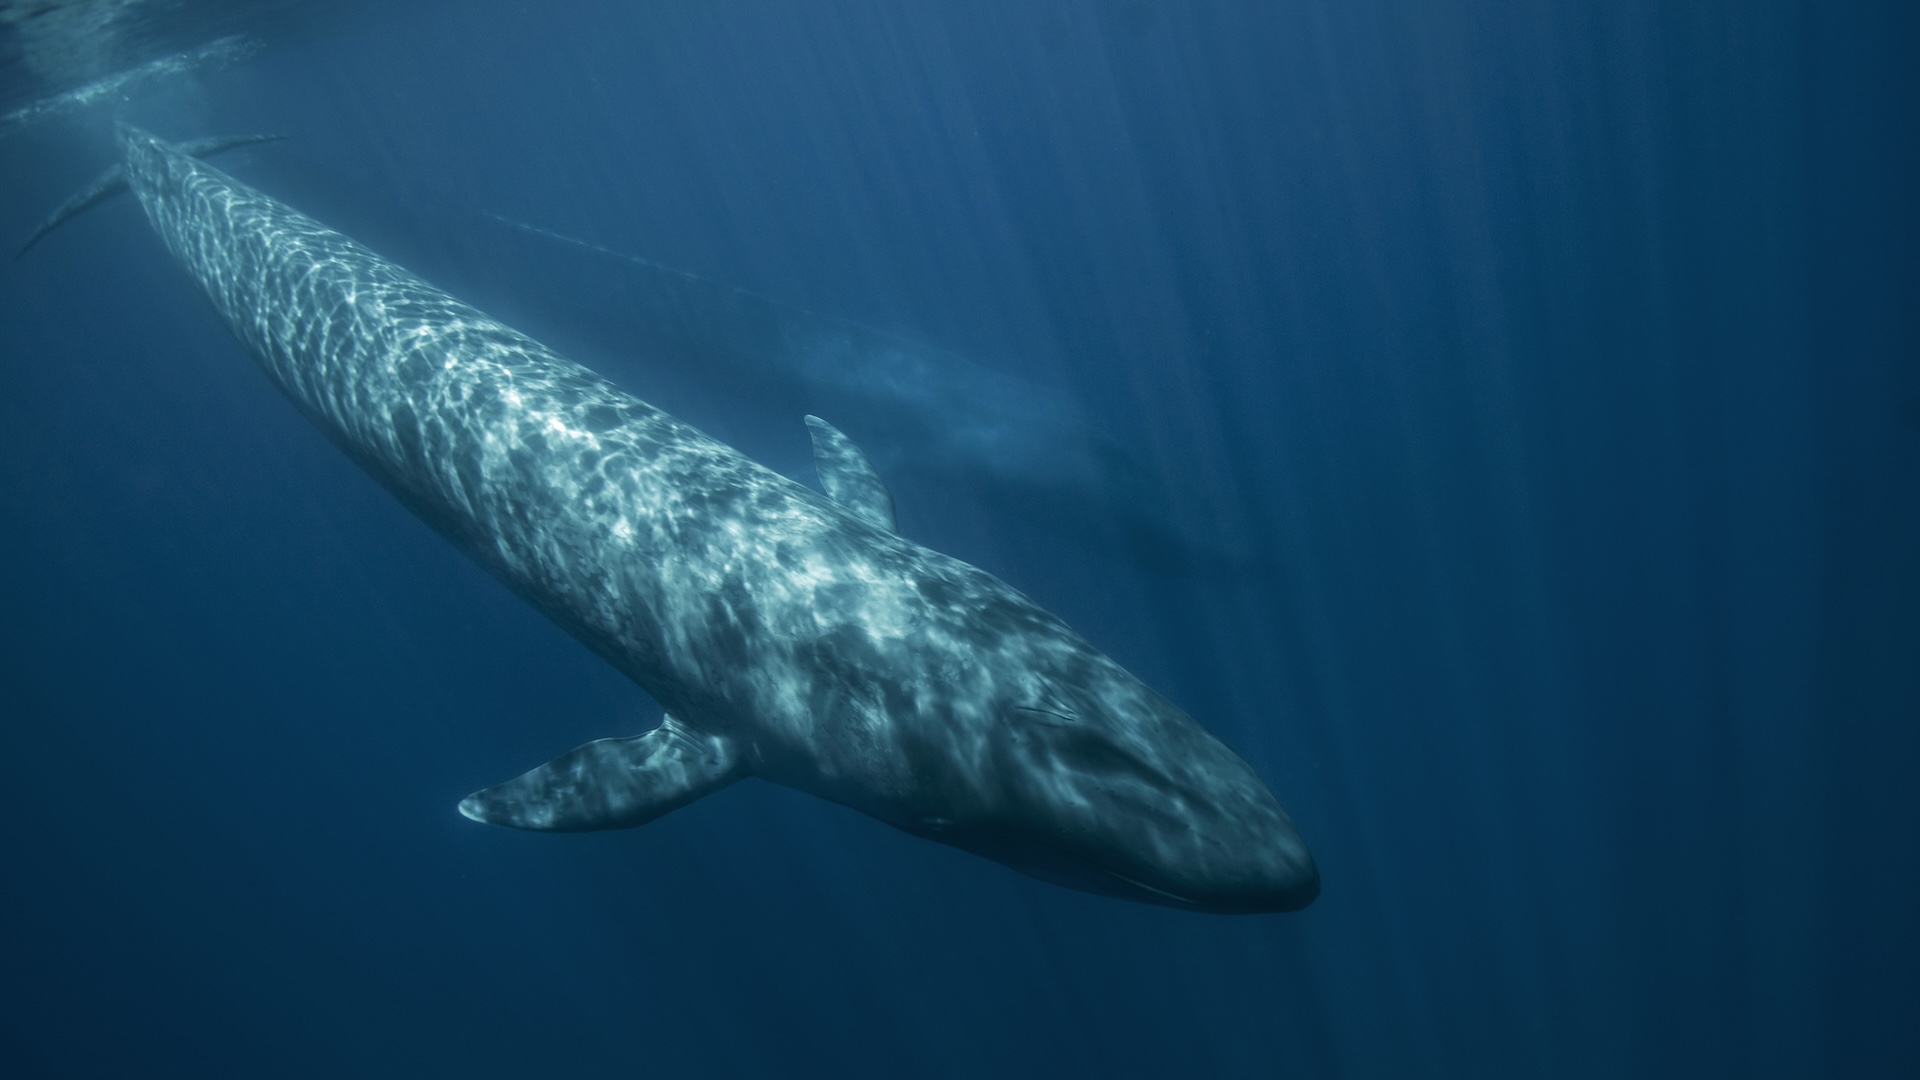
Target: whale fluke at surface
{"x":790,"y":636}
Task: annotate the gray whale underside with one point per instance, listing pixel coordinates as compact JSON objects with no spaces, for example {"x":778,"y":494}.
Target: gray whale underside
{"x":790,"y":636}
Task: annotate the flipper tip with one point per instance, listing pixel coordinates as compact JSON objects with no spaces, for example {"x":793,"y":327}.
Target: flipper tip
{"x":471,"y":808}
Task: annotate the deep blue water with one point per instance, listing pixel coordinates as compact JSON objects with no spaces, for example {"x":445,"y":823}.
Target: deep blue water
{"x":1535,"y":388}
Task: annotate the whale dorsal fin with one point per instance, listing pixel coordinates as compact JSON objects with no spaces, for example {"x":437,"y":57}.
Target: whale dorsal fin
{"x":612,"y":783}
{"x":848,"y":476}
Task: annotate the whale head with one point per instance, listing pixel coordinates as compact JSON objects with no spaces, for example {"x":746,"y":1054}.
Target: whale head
{"x":1100,"y":784}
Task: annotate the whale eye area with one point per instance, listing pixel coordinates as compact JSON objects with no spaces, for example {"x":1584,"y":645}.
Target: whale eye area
{"x":1080,"y":756}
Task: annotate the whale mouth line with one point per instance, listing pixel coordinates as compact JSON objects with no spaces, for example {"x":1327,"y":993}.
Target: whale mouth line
{"x":1144,"y":887}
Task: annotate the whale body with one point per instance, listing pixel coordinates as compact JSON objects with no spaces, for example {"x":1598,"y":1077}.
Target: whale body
{"x":789,"y":635}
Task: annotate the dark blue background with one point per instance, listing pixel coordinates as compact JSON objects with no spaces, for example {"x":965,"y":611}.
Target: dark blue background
{"x":1560,"y":360}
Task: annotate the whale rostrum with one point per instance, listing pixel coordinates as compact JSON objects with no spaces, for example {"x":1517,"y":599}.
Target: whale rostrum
{"x":790,"y":636}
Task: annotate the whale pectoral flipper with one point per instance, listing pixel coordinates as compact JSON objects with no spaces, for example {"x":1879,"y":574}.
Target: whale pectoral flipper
{"x":848,"y":477}
{"x":114,"y":180}
{"x":611,"y":783}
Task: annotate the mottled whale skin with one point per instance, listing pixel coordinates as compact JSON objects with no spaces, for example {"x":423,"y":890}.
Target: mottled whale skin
{"x":790,"y":636}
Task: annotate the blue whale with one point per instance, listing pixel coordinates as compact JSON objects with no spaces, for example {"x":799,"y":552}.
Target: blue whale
{"x":789,"y":636}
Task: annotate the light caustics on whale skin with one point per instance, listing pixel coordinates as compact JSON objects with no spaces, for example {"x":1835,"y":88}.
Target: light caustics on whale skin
{"x":792,"y":639}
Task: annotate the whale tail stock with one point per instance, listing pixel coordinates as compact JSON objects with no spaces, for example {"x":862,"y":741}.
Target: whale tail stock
{"x":113,"y":181}
{"x":612,"y":783}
